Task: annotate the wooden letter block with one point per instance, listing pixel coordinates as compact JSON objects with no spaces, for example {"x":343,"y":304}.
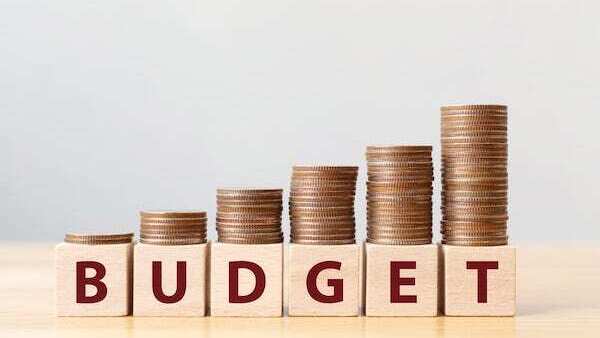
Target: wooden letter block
{"x":323,"y":280}
{"x":246,"y":280}
{"x":170,"y":280}
{"x":93,"y":280}
{"x":401,"y":280}
{"x":479,"y":281}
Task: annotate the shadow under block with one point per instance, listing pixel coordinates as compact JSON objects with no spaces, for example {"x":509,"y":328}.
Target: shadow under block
{"x":258,"y":269}
{"x":170,"y":280}
{"x":401,"y":280}
{"x":479,"y":281}
{"x":93,"y":280}
{"x":323,"y":280}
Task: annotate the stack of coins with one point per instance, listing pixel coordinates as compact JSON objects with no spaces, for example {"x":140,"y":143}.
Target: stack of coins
{"x":173,"y":227}
{"x":98,"y":239}
{"x":249,"y":216}
{"x":474,"y":175}
{"x":399,"y":191}
{"x":322,"y":205}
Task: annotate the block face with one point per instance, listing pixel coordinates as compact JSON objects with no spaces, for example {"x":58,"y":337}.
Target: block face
{"x":241,"y":258}
{"x":116,"y":260}
{"x":332,"y":264}
{"x":186,"y":300}
{"x":379,"y":289}
{"x":466,"y":292}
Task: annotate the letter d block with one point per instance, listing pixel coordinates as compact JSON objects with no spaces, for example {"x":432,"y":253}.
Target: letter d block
{"x":401,"y":280}
{"x":170,"y":280}
{"x":93,"y":280}
{"x":479,"y":281}
{"x":323,"y":280}
{"x":246,"y":280}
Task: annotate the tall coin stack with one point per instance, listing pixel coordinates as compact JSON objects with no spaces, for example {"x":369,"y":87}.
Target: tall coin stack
{"x":322,"y":205}
{"x":399,"y":191}
{"x":173,"y":227}
{"x":249,"y":216}
{"x":474,"y":175}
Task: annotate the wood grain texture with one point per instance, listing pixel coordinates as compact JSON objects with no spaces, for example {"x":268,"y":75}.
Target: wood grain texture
{"x":302,"y":258}
{"x":116,"y":259}
{"x":460,"y":283}
{"x":269,"y":257}
{"x":193,"y":302}
{"x":378,"y":290}
{"x":549,"y":304}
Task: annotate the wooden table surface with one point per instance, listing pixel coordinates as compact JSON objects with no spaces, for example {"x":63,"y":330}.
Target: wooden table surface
{"x":558,"y":295}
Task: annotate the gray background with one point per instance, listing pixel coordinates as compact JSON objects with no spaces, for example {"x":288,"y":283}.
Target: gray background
{"x":108,"y":107}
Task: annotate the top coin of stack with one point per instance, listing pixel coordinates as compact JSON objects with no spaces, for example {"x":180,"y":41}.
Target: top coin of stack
{"x":322,"y":205}
{"x":474,"y":175}
{"x":99,"y":239}
{"x":399,"y":190}
{"x":249,"y":216}
{"x":173,"y":227}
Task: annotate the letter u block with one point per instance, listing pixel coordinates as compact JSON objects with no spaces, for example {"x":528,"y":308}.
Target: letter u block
{"x":246,"y":280}
{"x":170,"y":280}
{"x":93,"y":280}
{"x":479,"y":281}
{"x":323,"y":280}
{"x":401,"y":280}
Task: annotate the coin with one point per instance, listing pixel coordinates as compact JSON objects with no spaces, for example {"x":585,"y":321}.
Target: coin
{"x":98,"y":239}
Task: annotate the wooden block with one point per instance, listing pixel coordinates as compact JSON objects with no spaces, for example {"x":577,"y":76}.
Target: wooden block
{"x":170,"y":280}
{"x":401,"y":280}
{"x":93,"y":280}
{"x":324,"y":280}
{"x":479,"y":281}
{"x":246,"y":280}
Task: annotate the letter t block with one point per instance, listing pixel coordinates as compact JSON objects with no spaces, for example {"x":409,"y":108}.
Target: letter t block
{"x":323,"y":280}
{"x":479,"y":281}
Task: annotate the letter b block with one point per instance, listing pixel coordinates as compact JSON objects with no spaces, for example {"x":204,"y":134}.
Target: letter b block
{"x":170,"y":280}
{"x":479,"y":281}
{"x":401,"y":280}
{"x":246,"y":280}
{"x":323,"y":280}
{"x":93,"y":280}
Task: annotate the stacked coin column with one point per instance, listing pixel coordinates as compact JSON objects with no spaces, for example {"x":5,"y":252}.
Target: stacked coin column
{"x":170,"y":264}
{"x":475,"y":211}
{"x":106,"y":257}
{"x":323,"y":256}
{"x":247,"y":261}
{"x":399,"y":219}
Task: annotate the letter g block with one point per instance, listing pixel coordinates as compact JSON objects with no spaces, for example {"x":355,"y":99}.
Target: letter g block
{"x":323,"y":280}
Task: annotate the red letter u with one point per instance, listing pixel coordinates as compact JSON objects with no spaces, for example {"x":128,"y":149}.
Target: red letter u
{"x":157,"y":283}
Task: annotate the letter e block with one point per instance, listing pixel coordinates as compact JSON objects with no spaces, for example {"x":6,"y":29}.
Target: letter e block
{"x":323,"y":280}
{"x":93,"y":280}
{"x":246,"y":280}
{"x":401,"y":280}
{"x":479,"y":281}
{"x":170,"y":280}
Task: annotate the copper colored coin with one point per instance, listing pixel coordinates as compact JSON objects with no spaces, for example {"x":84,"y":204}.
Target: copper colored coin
{"x":98,"y":239}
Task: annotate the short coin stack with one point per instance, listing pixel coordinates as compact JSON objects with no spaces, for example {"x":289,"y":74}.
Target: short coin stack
{"x":98,"y":239}
{"x":322,"y":205}
{"x":173,"y":227}
{"x":249,"y":216}
{"x":474,"y":175}
{"x":399,"y":191}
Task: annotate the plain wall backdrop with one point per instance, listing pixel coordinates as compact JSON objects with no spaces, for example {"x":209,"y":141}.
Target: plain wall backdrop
{"x":112,"y":106}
